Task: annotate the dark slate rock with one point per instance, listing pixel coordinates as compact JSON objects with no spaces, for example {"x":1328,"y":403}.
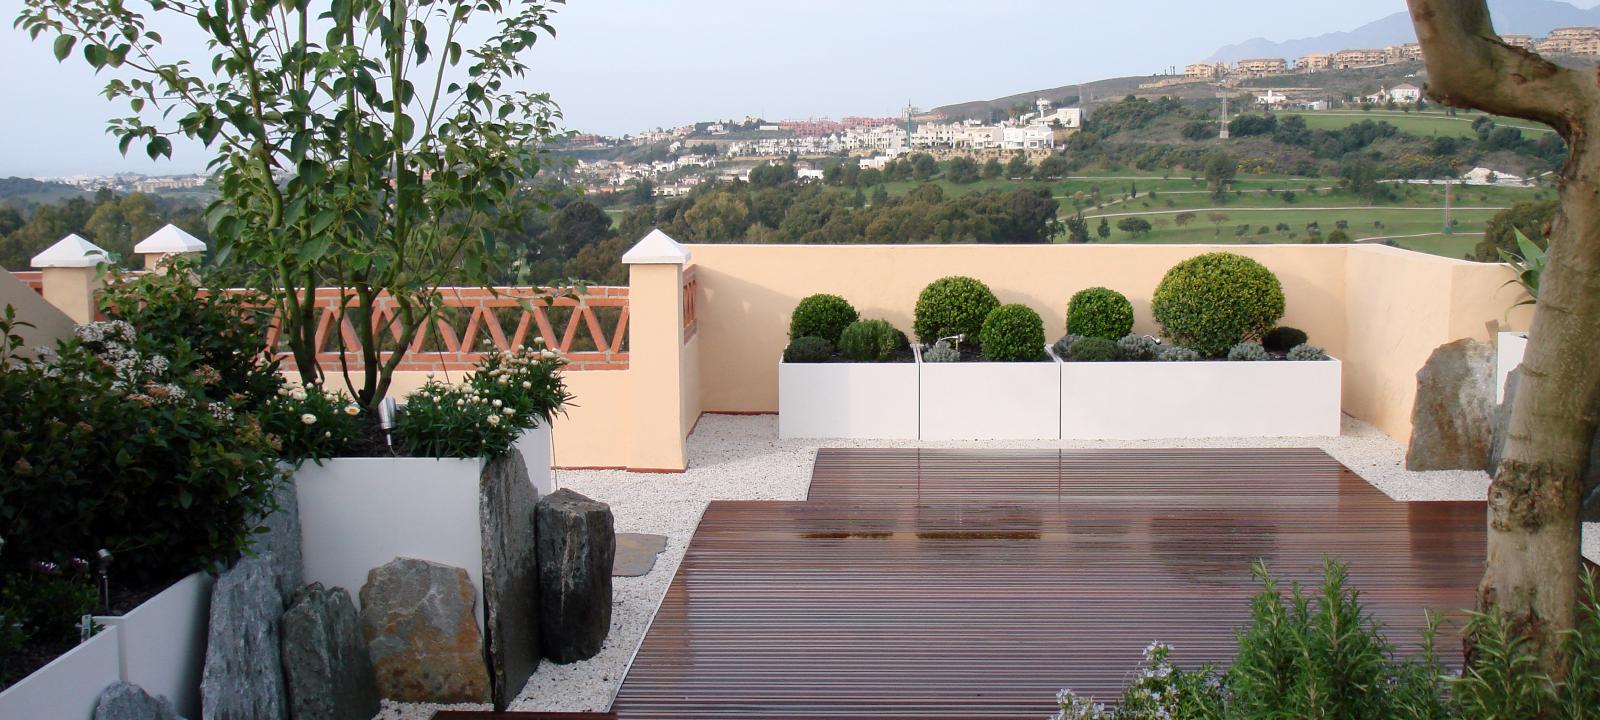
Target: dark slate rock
{"x":577,"y":548}
{"x":416,"y":617}
{"x":636,"y":554}
{"x":506,"y":503}
{"x":243,"y":677}
{"x":282,"y":541}
{"x":1452,"y":426}
{"x":126,"y":701}
{"x":325,"y":663}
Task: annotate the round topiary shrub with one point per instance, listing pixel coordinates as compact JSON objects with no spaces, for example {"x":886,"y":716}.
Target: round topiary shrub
{"x":954,"y":305}
{"x":1094,"y":349}
{"x":1248,"y":352}
{"x":821,"y":316}
{"x":1100,"y":312}
{"x":1012,"y":333}
{"x":808,"y":350}
{"x":871,"y":341}
{"x":1283,"y":339}
{"x":1214,"y":301}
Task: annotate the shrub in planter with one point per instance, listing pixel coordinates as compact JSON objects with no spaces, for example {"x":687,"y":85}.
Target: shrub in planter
{"x":941,"y":352}
{"x":955,"y":305}
{"x":1248,"y":352}
{"x":808,"y":350}
{"x":311,"y":423}
{"x":1063,"y":347}
{"x":1283,"y":339}
{"x":507,"y":394}
{"x":527,"y":381}
{"x":1136,"y":347}
{"x":822,"y":316}
{"x":1212,"y":302}
{"x":1307,"y":353}
{"x":871,"y":341}
{"x":1099,"y":312}
{"x":1176,"y":353}
{"x":1094,"y":349}
{"x":1012,"y":333}
{"x":42,"y":605}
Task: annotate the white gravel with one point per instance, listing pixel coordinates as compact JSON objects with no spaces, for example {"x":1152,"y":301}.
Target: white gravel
{"x":742,"y":458}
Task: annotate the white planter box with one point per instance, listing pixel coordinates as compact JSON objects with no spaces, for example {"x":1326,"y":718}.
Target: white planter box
{"x":357,"y":514}
{"x":68,"y":687}
{"x":1508,"y":355}
{"x":1155,"y":400}
{"x":163,"y":642}
{"x":991,"y":401}
{"x":848,"y":400}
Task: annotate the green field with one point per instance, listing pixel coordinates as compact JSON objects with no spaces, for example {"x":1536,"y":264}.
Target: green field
{"x":1364,"y":223}
{"x":1425,"y":124}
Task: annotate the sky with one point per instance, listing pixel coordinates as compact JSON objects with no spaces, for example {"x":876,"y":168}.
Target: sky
{"x":621,"y":66}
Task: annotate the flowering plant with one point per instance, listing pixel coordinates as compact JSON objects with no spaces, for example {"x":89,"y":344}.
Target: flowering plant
{"x":311,"y":423}
{"x":507,"y":394}
{"x":529,"y":381}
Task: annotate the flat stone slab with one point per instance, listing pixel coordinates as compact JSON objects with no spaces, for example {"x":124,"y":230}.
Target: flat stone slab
{"x":636,"y":554}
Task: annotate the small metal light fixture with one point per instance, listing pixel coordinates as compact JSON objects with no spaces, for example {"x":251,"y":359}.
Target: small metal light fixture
{"x":955,"y":341}
{"x":387,"y":410}
{"x":102,"y":562}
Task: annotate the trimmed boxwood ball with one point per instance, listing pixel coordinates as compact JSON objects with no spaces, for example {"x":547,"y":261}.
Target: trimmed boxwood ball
{"x":1283,"y":339}
{"x":1094,"y":349}
{"x":808,"y":350}
{"x":1012,"y":333}
{"x":871,"y":341}
{"x":1214,"y":301}
{"x":1100,"y":312}
{"x":955,"y":305}
{"x":821,"y":316}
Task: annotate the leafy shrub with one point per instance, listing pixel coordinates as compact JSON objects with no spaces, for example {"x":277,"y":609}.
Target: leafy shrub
{"x":1093,"y":349}
{"x":1215,"y":301}
{"x":311,"y":423}
{"x":1281,"y":339}
{"x":1063,"y":347}
{"x":507,"y":394}
{"x":1248,"y":352}
{"x":808,"y":350}
{"x":1176,"y":353}
{"x":822,"y":316}
{"x":1306,"y":353}
{"x":1136,"y":347}
{"x":1099,"y":312}
{"x":941,"y":352}
{"x":871,"y":341}
{"x":1012,"y":333}
{"x":952,"y":306}
{"x":527,"y":381}
{"x":43,"y":604}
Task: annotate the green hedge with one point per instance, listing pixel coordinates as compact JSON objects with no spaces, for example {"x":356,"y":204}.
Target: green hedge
{"x":871,"y":341}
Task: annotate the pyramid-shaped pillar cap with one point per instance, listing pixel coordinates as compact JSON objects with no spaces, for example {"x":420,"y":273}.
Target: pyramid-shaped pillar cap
{"x":168,"y":240}
{"x":71,"y":251}
{"x":657,"y":248}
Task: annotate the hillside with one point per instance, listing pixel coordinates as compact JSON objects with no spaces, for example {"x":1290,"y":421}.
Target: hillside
{"x":1524,"y":17}
{"x":1094,"y":93}
{"x":27,"y":190}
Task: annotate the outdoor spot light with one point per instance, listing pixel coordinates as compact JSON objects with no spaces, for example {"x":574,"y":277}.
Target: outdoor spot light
{"x":387,"y":410}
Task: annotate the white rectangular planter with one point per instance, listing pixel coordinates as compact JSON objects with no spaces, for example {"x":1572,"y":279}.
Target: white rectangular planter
{"x":991,"y":401}
{"x":1154,"y":400}
{"x":68,"y":687}
{"x":848,"y":400}
{"x":1510,"y":348}
{"x":163,"y":642}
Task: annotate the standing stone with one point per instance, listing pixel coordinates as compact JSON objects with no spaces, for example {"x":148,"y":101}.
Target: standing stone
{"x":416,"y":617}
{"x":243,"y":677}
{"x":577,"y":547}
{"x":126,"y":701}
{"x":282,"y":541}
{"x":1452,"y":425}
{"x":506,"y":503}
{"x":1502,"y":421}
{"x":325,"y":662}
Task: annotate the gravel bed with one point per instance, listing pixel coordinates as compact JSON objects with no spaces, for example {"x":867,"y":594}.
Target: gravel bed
{"x":742,"y":458}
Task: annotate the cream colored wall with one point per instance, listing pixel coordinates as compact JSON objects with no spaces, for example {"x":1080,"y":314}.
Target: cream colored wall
{"x":49,"y":323}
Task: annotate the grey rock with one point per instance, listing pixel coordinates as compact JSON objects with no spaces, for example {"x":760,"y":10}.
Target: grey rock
{"x":506,"y":502}
{"x":1502,"y":421}
{"x":1452,"y":426}
{"x":325,"y":663}
{"x":281,"y":541}
{"x":126,"y":701}
{"x":636,"y":554}
{"x":577,"y":548}
{"x":243,"y":676}
{"x":416,"y":617}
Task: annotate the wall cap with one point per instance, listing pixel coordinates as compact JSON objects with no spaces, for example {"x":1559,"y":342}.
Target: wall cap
{"x":71,"y":251}
{"x":169,"y":239}
{"x":657,"y":248}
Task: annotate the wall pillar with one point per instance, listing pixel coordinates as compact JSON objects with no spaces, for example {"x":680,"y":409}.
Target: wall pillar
{"x":71,"y":274}
{"x":655,"y":355}
{"x":170,"y":240}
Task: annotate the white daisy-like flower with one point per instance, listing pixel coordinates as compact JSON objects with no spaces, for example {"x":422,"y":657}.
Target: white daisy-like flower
{"x":298,"y":394}
{"x":508,"y":412}
{"x":496,"y":403}
{"x":526,"y":384}
{"x":494,"y":419}
{"x":352,"y":410}
{"x":308,"y":419}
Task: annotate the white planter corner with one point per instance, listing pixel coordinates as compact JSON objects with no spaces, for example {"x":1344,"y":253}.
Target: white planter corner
{"x":1509,"y":349}
{"x":163,"y":641}
{"x":67,"y":688}
{"x":991,"y":400}
{"x":1157,"y":400}
{"x":848,"y":400}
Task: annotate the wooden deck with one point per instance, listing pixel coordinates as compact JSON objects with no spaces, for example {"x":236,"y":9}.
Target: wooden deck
{"x":962,"y":584}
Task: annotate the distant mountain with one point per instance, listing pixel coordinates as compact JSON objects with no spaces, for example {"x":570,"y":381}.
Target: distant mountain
{"x":1512,"y":17}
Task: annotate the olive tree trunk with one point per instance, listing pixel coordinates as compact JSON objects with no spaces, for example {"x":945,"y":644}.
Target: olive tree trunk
{"x":1534,"y":560}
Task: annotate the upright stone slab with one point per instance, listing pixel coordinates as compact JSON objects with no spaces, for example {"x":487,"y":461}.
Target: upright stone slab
{"x":577,"y":546}
{"x":1452,"y":426}
{"x":282,"y":541}
{"x":126,"y":701}
{"x":416,"y":617}
{"x":325,"y":662}
{"x":506,"y":505}
{"x":243,"y":677}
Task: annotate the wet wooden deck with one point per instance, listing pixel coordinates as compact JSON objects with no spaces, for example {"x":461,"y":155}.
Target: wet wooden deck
{"x":963,"y":584}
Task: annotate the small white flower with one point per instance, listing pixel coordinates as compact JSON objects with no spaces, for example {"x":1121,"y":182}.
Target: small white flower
{"x":503,"y":380}
{"x":308,"y":419}
{"x":494,"y":419}
{"x":508,"y":412}
{"x":298,"y":394}
{"x":352,"y":410}
{"x":538,"y":341}
{"x":461,"y":403}
{"x":496,"y":403}
{"x":430,"y":374}
{"x":526,"y":384}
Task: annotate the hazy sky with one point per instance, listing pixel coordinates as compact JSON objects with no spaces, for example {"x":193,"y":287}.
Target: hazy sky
{"x":620,"y":66}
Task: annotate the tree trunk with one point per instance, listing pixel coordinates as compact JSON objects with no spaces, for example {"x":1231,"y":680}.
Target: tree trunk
{"x":1531,"y":577}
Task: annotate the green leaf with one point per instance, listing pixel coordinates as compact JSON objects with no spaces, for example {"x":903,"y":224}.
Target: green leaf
{"x":315,"y":248}
{"x":63,"y":46}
